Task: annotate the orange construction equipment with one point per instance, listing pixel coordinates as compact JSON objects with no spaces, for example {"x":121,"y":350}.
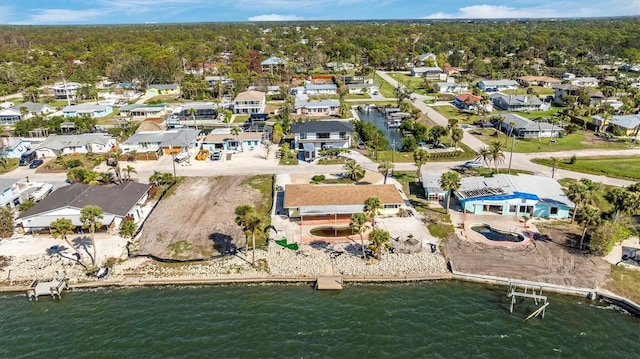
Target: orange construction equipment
{"x":202,"y":155}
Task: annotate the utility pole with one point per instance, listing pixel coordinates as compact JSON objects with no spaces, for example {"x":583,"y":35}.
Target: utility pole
{"x":393,"y":151}
{"x":173,"y":158}
{"x":66,"y":91}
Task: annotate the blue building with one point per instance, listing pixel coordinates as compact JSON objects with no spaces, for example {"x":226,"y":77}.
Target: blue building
{"x":514,"y":195}
{"x":223,"y":140}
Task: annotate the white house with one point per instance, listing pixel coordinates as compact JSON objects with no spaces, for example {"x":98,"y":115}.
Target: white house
{"x":432,"y":188}
{"x":585,"y":81}
{"x":313,"y":136}
{"x":430,"y":73}
{"x":65,"y":90}
{"x":249,"y":102}
{"x":14,"y":192}
{"x":322,"y":89}
{"x":450,"y":86}
{"x":169,"y":141}
{"x":317,"y":108}
{"x":497,"y":85}
{"x":151,"y":111}
{"x":90,"y":109}
{"x":23,"y":111}
{"x":362,"y":88}
{"x":117,"y":203}
{"x":522,"y":127}
{"x":56,"y":145}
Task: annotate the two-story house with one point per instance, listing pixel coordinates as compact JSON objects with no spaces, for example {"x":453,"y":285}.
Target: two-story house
{"x":249,"y":102}
{"x":312,"y":137}
{"x":317,"y":108}
{"x":14,"y":192}
{"x":65,"y":90}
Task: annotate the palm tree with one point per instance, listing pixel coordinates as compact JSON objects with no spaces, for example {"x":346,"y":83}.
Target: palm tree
{"x":133,"y":155}
{"x":353,"y":170}
{"x":128,"y":170}
{"x":450,"y":182}
{"x":236,"y":130}
{"x":192,"y":112}
{"x":385,"y":167}
{"x":588,"y":216}
{"x":456,"y":135}
{"x":577,"y":193}
{"x":372,"y":207}
{"x":496,"y":154}
{"x":128,"y":228}
{"x":227,"y":115}
{"x":553,"y":121}
{"x":484,"y":155}
{"x":622,"y":200}
{"x":379,"y":241}
{"x":242,"y":213}
{"x":92,"y":177}
{"x":554,"y":166}
{"x":420,"y":157}
{"x":253,"y":223}
{"x":359,"y":225}
{"x":62,"y":227}
{"x":91,"y":218}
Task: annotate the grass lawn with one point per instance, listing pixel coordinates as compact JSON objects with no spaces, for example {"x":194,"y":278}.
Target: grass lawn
{"x":624,"y":282}
{"x":240,"y":118}
{"x":462,"y":117}
{"x":618,"y":167}
{"x":386,"y":89}
{"x":355,"y":96}
{"x":264,"y":184}
{"x":52,"y":165}
{"x":574,"y":141}
{"x":333,"y":161}
{"x":411,"y":82}
{"x":12,"y":164}
{"x":398,"y":156}
{"x":489,"y":172}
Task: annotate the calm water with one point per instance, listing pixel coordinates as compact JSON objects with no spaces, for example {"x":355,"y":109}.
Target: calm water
{"x":422,"y":320}
{"x":377,"y":118}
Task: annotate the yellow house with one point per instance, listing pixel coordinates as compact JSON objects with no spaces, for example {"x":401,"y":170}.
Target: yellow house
{"x":162,"y":89}
{"x":333,"y":202}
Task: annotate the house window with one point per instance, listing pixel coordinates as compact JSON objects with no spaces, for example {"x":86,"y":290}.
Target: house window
{"x":390,"y":206}
{"x":512,"y":209}
{"x":303,"y":136}
{"x":322,"y":135}
{"x":343,"y":135}
{"x":553,"y":210}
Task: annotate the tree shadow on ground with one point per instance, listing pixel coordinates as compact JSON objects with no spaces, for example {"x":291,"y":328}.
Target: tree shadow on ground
{"x":355,"y":249}
{"x":84,"y":243}
{"x":223,"y":243}
{"x":416,"y":189}
{"x":59,"y":249}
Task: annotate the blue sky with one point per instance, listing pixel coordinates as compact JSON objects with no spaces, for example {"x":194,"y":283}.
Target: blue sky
{"x":59,"y":12}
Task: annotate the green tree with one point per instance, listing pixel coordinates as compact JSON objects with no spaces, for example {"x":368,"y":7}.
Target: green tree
{"x":484,"y":155}
{"x":91,"y":218}
{"x":623,"y":201}
{"x":235,"y":131}
{"x":420,"y":158}
{"x":192,"y":112}
{"x":379,"y":241}
{"x":253,"y":225}
{"x":227,"y":115}
{"x":372,"y":207}
{"x":589,"y":217}
{"x":359,"y":224}
{"x":25,"y":205}
{"x":555,"y":162}
{"x":353,"y":170}
{"x":496,"y":154}
{"x":243,"y":212}
{"x":384,"y":168}
{"x":128,"y":229}
{"x":128,"y":170}
{"x":450,"y":182}
{"x":456,"y":135}
{"x":61,"y":228}
{"x":6,"y":222}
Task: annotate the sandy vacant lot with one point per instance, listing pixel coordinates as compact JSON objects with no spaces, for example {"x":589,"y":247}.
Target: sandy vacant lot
{"x":197,"y":218}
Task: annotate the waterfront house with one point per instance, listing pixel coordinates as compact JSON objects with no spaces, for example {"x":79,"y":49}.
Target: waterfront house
{"x":450,"y":86}
{"x":313,"y":136}
{"x":321,"y":89}
{"x":162,"y":89}
{"x":56,"y":145}
{"x":223,"y":140}
{"x":87,"y":109}
{"x":169,"y":141}
{"x":23,"y":111}
{"x":249,"y":102}
{"x":543,"y":81}
{"x":317,"y":108}
{"x":514,"y":195}
{"x":338,"y":202}
{"x":365,"y":88}
{"x":431,"y":185}
{"x":521,"y":103}
{"x":117,"y":202}
{"x":627,"y":125}
{"x":497,"y":85}
{"x":521,"y":127}
{"x":14,"y":192}
{"x":430,"y":73}
{"x":65,"y":90}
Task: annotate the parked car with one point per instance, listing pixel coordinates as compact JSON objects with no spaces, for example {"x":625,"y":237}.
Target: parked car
{"x":473,"y":164}
{"x":36,"y":163}
{"x":216,"y":156}
{"x":483,"y":124}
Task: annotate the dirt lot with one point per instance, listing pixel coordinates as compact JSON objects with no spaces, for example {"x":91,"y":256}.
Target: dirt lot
{"x":552,"y":258}
{"x":197,"y":218}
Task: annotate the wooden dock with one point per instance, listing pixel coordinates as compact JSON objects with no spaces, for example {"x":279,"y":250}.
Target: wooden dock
{"x":329,"y":283}
{"x":53,"y":288}
{"x":513,"y":293}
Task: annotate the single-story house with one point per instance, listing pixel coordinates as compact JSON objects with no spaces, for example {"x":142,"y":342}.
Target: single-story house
{"x":338,"y":201}
{"x":521,"y":127}
{"x":339,"y":66}
{"x":14,"y":147}
{"x":117,"y":203}
{"x":497,"y":85}
{"x":629,"y":125}
{"x":311,"y":137}
{"x":23,"y":111}
{"x":143,"y":112}
{"x":169,"y":141}
{"x":89,"y":109}
{"x":203,"y":111}
{"x":585,"y":81}
{"x":222,"y":139}
{"x":64,"y":90}
{"x":544,"y":81}
{"x":432,"y":189}
{"x":362,"y":88}
{"x":317,"y":108}
{"x":162,"y":89}
{"x":514,"y":195}
{"x":467,"y":101}
{"x":269,"y":90}
{"x":452,"y":87}
{"x":521,"y":103}
{"x":14,"y":192}
{"x":321,"y":89}
{"x":454,"y":70}
{"x":430,"y":73}
{"x":427,"y":59}
{"x":56,"y":145}
{"x":249,"y":102}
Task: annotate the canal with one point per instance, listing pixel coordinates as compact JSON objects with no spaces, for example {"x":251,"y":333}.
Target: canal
{"x":377,"y":118}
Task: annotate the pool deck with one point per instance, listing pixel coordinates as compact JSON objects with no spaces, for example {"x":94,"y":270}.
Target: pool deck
{"x":503,"y":223}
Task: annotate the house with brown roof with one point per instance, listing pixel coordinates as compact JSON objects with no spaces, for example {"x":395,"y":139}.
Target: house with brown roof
{"x":338,"y":201}
{"x":544,"y":81}
{"x":469,"y":102}
{"x":117,"y":203}
{"x":249,"y":102}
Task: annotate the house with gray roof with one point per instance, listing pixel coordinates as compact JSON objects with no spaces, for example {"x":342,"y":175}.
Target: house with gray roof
{"x":14,"y":147}
{"x":321,"y":89}
{"x":519,"y":103}
{"x":629,"y":125}
{"x":56,"y":145}
{"x":514,"y":195}
{"x":317,"y":108}
{"x":23,"y":111}
{"x":87,"y":109}
{"x":430,"y":73}
{"x":497,"y":85}
{"x":169,"y":141}
{"x":521,"y":127}
{"x":311,"y":137}
{"x":432,"y":188}
{"x":273,"y":63}
{"x":118,"y":202}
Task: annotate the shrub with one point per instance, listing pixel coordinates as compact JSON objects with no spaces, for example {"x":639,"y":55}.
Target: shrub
{"x":318,"y":178}
{"x":72,"y":163}
{"x":606,"y":235}
{"x":573,"y":160}
{"x":409,"y":144}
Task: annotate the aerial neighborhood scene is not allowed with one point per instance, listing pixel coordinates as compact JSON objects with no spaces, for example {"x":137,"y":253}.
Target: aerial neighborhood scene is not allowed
{"x":298,"y":160}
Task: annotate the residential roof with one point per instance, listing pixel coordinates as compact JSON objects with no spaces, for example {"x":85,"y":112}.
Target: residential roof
{"x":6,"y":183}
{"x":432,"y":183}
{"x":504,"y":187}
{"x":242,"y":136}
{"x":526,"y":124}
{"x":427,"y":69}
{"x":321,"y":87}
{"x":569,"y":87}
{"x":490,"y":83}
{"x":164,"y":86}
{"x":58,"y":142}
{"x":321,"y":126}
{"x":300,"y":195}
{"x":180,"y":137}
{"x":627,"y":121}
{"x":317,"y":104}
{"x":85,"y":108}
{"x":517,"y":100}
{"x":250,"y":96}
{"x":584,"y":79}
{"x":468,"y":98}
{"x":451,"y":84}
{"x":33,"y":107}
{"x":151,"y":124}
{"x":358,"y":86}
{"x":147,"y":109}
{"x":117,"y":200}
{"x":546,"y":79}
{"x":128,"y":108}
{"x":273,"y":61}
{"x":427,"y":56}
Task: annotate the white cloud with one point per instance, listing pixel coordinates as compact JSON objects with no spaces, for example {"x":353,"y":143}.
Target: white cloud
{"x":495,"y":12}
{"x":274,"y":17}
{"x":61,"y":16}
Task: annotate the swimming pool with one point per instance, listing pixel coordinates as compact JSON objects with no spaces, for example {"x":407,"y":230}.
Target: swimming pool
{"x":331,"y":231}
{"x":497,"y":235}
